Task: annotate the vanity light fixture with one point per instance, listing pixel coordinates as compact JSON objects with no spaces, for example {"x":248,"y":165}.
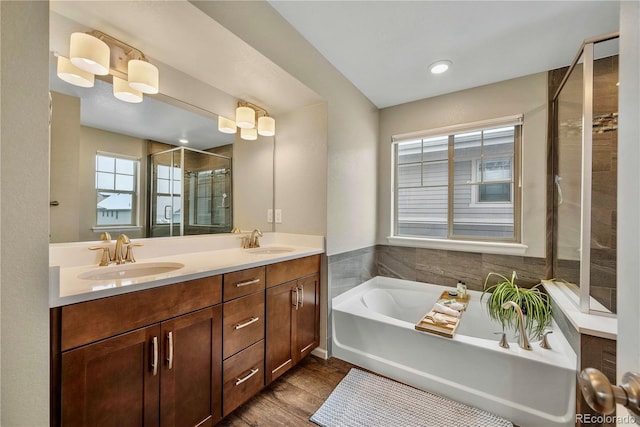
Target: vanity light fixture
{"x":249,"y":134}
{"x":97,"y":53}
{"x":74,"y":75}
{"x":226,"y":125}
{"x":247,"y":114}
{"x":440,"y":67}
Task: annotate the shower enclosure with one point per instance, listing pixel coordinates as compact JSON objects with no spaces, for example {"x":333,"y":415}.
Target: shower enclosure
{"x":190,"y":193}
{"x":585,"y":107}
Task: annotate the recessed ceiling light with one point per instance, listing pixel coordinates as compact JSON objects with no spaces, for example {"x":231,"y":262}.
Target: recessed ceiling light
{"x":183,"y":140}
{"x":440,"y":67}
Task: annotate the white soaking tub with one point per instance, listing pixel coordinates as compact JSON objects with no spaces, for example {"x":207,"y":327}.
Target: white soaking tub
{"x":373,"y":327}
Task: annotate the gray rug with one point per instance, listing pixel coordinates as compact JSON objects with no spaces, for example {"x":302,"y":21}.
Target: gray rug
{"x":367,"y":400}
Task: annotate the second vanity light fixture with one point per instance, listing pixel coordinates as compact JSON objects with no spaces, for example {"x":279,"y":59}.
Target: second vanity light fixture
{"x":96,"y":53}
{"x":247,"y":115}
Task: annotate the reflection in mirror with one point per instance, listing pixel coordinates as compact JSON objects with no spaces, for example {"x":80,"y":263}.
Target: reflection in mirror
{"x":101,"y":151}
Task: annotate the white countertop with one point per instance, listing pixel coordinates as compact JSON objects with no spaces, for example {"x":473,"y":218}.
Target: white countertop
{"x":201,"y":256}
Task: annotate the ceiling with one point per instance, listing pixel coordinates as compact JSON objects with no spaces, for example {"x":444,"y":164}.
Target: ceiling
{"x":385,"y":47}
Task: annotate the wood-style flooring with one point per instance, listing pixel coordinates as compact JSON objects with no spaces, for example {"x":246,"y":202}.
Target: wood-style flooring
{"x":292,"y":398}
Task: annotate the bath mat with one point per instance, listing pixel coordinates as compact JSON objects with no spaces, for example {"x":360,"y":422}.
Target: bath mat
{"x":367,"y":400}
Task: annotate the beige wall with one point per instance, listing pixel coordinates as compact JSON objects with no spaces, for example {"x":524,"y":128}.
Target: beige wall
{"x":300,"y":168}
{"x":24,"y":214}
{"x":252,"y":182}
{"x":526,"y":95}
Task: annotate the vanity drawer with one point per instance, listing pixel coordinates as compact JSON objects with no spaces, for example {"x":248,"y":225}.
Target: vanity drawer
{"x":90,"y":321}
{"x":241,"y":283}
{"x":243,"y":323}
{"x":242,"y":377}
{"x":289,"y":270}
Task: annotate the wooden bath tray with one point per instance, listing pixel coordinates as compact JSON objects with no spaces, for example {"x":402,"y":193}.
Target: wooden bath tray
{"x":427,"y":325}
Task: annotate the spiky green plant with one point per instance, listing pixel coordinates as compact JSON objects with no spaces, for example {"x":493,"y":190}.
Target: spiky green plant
{"x":534,"y":303}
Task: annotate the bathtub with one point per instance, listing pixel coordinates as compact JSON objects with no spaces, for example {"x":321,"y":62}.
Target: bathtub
{"x":373,"y":327}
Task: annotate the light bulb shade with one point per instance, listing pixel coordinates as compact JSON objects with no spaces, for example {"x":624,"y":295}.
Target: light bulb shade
{"x":266,"y":126}
{"x":143,"y":76}
{"x":226,"y":125}
{"x":245,"y":117}
{"x":250,"y":134}
{"x":72,"y":74}
{"x":124,"y":92}
{"x":89,"y":54}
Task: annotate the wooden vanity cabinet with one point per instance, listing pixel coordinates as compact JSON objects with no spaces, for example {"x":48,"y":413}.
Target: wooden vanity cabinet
{"x":167,"y":372}
{"x":292,"y":314}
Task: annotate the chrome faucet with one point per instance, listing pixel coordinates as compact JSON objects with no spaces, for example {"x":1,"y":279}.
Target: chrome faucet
{"x":524,"y":341}
{"x":118,"y":256}
{"x":253,"y":240}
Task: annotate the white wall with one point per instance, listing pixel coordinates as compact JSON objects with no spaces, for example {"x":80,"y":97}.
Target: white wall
{"x":24,"y":214}
{"x":628,"y":351}
{"x":526,"y":95}
{"x":352,"y":121}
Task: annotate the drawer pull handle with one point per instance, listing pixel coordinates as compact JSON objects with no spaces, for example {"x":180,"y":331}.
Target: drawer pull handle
{"x":247,"y":323}
{"x":170,"y":357}
{"x":247,"y":283}
{"x":246,"y":377}
{"x":154,"y":361}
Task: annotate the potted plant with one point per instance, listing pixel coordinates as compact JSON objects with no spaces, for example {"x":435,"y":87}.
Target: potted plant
{"x":535,"y":304}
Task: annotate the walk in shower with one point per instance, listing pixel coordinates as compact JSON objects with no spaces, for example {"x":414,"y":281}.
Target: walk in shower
{"x":191,"y":193}
{"x":585,"y":138}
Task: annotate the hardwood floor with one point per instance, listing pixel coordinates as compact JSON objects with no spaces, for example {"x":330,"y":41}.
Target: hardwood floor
{"x":292,"y":398}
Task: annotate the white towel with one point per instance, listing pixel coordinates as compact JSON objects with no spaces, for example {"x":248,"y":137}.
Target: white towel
{"x":439,"y":308}
{"x":453,"y":304}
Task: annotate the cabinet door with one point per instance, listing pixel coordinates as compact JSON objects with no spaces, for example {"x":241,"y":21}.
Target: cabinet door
{"x":307,"y":325}
{"x":113,"y":382}
{"x":192,"y":369}
{"x":280,"y":307}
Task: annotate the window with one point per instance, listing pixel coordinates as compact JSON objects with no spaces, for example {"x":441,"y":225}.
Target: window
{"x":116,"y":190}
{"x":460,"y":184}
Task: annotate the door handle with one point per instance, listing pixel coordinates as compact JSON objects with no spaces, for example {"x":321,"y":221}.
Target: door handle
{"x":170,"y":355}
{"x":301,"y":296}
{"x":297,"y":297}
{"x":154,"y":353}
{"x":602,"y":396}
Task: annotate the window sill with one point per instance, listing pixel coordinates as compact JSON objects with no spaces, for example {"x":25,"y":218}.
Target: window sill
{"x":460,"y":245}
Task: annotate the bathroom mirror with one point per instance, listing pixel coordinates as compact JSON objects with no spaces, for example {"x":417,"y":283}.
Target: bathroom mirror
{"x":207,"y":185}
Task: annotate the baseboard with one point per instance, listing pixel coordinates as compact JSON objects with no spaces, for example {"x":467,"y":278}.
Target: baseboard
{"x":321,"y":353}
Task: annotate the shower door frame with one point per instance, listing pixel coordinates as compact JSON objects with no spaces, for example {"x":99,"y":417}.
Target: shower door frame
{"x":586,"y":50}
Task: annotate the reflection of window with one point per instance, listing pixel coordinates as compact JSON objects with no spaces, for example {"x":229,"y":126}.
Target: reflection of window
{"x":116,"y":190}
{"x":458,"y":185}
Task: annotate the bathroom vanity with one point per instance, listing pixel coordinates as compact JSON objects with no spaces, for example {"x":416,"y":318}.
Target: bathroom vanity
{"x":183,"y":348}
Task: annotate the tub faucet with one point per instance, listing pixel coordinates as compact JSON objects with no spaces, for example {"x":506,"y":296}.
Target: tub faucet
{"x":524,"y":341}
{"x":118,"y":256}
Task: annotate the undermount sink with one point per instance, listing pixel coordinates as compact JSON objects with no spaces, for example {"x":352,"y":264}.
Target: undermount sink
{"x":270,"y":250}
{"x":128,"y":271}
